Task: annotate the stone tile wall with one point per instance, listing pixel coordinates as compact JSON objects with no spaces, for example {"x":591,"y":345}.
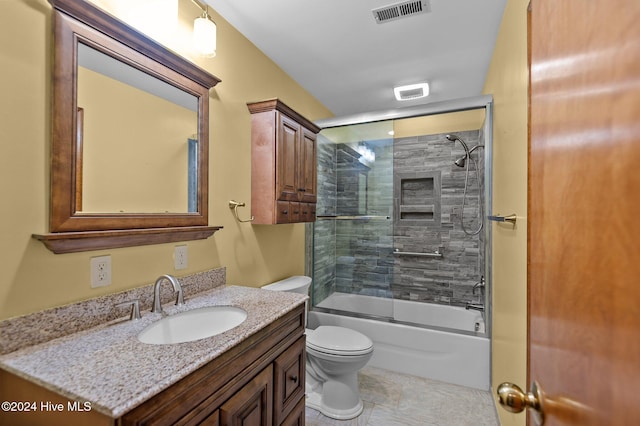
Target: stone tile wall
{"x":356,"y":256}
{"x":449,"y":279}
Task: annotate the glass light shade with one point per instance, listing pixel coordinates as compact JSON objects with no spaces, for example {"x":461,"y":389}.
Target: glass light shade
{"x":204,"y":37}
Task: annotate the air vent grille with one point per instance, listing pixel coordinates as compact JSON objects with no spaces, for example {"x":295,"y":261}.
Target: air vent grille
{"x":411,"y":94}
{"x":400,"y":10}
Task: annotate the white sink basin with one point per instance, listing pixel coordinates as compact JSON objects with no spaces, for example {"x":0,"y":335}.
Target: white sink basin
{"x":193,"y":325}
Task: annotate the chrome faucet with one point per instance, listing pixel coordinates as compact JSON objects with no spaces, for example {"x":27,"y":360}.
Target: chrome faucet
{"x":477,"y":306}
{"x":177,"y":288}
{"x":479,"y":285}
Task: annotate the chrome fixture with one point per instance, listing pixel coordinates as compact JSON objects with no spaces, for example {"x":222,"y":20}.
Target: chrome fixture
{"x":509,"y":218}
{"x":461,"y":162}
{"x":355,"y":217}
{"x":233,"y":205}
{"x":204,"y":32}
{"x":135,"y":309}
{"x":437,"y":253}
{"x":474,"y":307}
{"x":177,"y":288}
{"x":479,"y":285}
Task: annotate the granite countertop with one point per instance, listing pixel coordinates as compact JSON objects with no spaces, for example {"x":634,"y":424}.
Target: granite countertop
{"x":108,"y":366}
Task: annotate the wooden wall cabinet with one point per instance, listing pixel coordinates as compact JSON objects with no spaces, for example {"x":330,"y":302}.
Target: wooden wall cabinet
{"x":283,"y":164}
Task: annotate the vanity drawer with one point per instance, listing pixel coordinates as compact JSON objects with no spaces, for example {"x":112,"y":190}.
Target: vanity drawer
{"x":289,"y":380}
{"x":284,"y":212}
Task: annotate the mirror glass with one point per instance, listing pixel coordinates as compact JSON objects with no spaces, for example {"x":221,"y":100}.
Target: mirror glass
{"x":137,"y":140}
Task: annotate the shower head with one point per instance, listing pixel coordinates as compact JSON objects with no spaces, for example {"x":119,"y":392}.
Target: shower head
{"x":454,"y":138}
{"x":460,"y":162}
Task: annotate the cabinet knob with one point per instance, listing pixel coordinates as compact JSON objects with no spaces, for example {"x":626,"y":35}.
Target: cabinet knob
{"x":294,"y":379}
{"x":302,"y":190}
{"x":285,"y":211}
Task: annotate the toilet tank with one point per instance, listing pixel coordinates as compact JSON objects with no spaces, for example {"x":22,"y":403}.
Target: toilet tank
{"x":296,"y":284}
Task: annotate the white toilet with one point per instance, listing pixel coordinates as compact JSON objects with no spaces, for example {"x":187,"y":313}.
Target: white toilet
{"x":334,"y":356}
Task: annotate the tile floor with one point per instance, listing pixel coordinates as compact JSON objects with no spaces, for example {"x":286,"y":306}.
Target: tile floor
{"x":394,"y":399}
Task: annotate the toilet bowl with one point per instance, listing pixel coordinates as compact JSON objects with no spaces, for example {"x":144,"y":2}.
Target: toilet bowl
{"x":334,"y":357}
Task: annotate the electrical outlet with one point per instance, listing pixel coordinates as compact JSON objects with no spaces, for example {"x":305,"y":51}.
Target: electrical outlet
{"x":180,"y":257}
{"x":100,"y":271}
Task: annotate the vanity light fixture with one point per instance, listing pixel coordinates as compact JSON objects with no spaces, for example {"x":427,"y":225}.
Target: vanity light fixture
{"x":411,"y":91}
{"x":204,"y":32}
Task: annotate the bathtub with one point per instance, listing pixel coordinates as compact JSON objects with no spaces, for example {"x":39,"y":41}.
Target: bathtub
{"x":422,"y":339}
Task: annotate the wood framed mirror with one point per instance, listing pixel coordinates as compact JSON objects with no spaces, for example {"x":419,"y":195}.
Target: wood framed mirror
{"x":130,"y":135}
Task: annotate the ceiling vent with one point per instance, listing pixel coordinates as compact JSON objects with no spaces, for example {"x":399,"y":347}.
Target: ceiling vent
{"x":400,"y":10}
{"x":412,"y":91}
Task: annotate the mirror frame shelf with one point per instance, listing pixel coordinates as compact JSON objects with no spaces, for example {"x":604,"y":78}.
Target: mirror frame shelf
{"x":78,"y":21}
{"x":73,"y":242}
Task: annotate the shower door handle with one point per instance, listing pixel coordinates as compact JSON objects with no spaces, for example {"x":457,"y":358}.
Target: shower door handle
{"x":513,"y":399}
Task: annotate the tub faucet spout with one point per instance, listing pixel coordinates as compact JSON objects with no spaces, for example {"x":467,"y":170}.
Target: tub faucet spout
{"x":474,"y":307}
{"x":177,"y":288}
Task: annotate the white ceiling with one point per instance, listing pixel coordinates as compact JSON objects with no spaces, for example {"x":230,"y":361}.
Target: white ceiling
{"x":338,"y":52}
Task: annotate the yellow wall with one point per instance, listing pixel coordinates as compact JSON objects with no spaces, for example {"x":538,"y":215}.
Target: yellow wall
{"x":507,"y":81}
{"x":440,"y":123}
{"x":33,"y":278}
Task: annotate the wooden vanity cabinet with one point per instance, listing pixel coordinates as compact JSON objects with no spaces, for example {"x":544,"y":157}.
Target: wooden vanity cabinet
{"x":259,"y":382}
{"x":283,"y":164}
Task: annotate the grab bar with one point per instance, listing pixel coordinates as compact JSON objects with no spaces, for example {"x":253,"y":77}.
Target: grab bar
{"x":335,"y":217}
{"x":436,"y":253}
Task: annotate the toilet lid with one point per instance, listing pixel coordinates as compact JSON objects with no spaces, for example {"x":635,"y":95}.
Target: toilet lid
{"x":339,"y":340}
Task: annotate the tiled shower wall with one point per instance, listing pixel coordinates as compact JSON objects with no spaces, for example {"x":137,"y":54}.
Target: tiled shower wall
{"x":450,"y":278}
{"x":356,"y":256}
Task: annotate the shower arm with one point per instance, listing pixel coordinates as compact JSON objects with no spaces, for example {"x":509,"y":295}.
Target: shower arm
{"x":476,"y":147}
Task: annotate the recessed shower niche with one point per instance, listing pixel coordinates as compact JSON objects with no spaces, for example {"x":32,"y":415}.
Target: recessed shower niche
{"x":417,"y":198}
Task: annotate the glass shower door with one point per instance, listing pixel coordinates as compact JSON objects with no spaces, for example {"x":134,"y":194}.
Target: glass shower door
{"x":353,"y":233}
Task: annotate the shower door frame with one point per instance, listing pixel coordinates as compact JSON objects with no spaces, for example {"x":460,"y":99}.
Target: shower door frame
{"x":435,"y":108}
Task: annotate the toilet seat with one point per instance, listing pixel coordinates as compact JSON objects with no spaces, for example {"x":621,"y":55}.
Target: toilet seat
{"x":339,"y":341}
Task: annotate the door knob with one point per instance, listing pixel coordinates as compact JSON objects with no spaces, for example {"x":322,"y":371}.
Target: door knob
{"x":513,"y":399}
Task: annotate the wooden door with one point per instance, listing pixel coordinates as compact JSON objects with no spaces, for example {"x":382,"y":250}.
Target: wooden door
{"x":584,"y":210}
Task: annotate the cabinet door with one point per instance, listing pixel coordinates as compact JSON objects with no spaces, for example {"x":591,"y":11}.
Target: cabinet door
{"x":289,"y":379}
{"x":252,"y":405}
{"x":307,"y":164}
{"x":296,"y":417}
{"x":286,"y":160}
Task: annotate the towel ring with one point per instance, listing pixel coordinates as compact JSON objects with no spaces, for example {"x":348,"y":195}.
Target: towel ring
{"x":233,"y":205}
